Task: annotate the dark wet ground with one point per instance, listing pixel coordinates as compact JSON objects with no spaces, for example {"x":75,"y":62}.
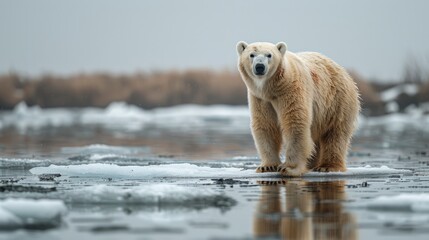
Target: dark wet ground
{"x":302,"y":208}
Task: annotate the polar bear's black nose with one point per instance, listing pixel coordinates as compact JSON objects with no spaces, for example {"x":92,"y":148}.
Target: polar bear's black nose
{"x":259,"y":69}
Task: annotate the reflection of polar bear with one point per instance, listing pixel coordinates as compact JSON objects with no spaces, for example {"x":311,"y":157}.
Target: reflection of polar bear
{"x":306,"y":100}
{"x":304,"y":210}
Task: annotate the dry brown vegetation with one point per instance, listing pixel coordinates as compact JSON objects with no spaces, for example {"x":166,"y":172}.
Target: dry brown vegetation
{"x":157,"y":89}
{"x":144,"y":90}
{"x":10,"y":91}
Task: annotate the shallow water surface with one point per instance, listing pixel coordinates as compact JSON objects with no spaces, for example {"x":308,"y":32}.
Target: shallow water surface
{"x":187,"y":173}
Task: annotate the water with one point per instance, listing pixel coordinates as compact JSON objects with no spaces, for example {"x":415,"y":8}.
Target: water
{"x":113,"y":205}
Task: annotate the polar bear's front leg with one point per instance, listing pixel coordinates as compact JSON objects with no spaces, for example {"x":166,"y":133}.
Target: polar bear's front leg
{"x":295,"y":125}
{"x":266,"y":134}
{"x":299,"y":148}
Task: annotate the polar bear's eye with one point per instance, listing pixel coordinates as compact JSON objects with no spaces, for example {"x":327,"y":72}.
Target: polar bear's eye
{"x":269,"y":55}
{"x":252,"y":55}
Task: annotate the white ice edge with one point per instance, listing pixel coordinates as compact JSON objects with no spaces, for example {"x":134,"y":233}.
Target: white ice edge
{"x":18,"y":212}
{"x":414,"y":202}
{"x":187,"y":170}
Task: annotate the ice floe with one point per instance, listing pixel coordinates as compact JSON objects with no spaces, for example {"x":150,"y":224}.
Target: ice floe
{"x":29,"y":213}
{"x":415,"y":202}
{"x":187,"y":170}
{"x":120,"y":115}
{"x":24,"y":117}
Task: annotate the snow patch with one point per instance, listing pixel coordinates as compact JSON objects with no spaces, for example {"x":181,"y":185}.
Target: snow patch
{"x":392,"y":93}
{"x":392,"y":107}
{"x":186,"y":170}
{"x":28,"y":213}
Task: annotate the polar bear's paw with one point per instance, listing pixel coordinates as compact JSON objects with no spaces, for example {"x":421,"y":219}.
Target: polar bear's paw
{"x":292,"y":169}
{"x":330,"y":169}
{"x":262,"y":169}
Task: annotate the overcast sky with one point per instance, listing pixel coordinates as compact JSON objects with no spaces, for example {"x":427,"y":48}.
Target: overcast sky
{"x":375,"y":38}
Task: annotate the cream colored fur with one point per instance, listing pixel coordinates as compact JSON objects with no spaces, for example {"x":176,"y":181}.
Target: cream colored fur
{"x":304,"y":101}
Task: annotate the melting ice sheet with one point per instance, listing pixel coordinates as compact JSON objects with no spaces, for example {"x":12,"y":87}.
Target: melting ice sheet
{"x":187,"y":170}
{"x":29,"y":213}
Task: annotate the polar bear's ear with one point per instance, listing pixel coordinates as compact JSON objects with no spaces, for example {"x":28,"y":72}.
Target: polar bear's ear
{"x":282,"y":47}
{"x":241,"y":46}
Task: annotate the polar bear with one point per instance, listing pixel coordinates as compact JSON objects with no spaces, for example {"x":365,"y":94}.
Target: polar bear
{"x":304,"y":101}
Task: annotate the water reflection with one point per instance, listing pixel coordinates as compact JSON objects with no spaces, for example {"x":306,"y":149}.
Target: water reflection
{"x":300,"y":209}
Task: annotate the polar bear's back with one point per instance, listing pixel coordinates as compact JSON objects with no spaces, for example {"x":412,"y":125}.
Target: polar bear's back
{"x":336,"y":95}
{"x":324,"y":68}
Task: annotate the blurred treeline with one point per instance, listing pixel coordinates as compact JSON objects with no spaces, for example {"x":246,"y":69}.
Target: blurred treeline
{"x":144,"y":90}
{"x":161,"y":89}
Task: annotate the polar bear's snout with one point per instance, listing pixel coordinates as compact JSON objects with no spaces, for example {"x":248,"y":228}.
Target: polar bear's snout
{"x":259,"y":69}
{"x":260,"y":65}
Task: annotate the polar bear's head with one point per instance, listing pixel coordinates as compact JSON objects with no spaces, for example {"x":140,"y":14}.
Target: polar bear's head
{"x":260,"y":59}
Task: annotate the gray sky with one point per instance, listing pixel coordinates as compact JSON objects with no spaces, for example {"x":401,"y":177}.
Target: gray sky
{"x":375,"y":38}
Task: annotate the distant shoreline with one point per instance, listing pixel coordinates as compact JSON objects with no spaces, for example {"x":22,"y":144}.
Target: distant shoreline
{"x":171,"y":88}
